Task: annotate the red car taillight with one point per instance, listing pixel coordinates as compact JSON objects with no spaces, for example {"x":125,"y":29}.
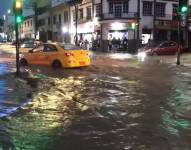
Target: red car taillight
{"x":69,"y":54}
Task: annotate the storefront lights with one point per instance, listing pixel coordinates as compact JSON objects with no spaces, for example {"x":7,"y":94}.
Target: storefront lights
{"x":117,"y":26}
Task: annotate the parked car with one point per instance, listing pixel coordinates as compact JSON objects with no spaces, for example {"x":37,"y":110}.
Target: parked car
{"x":164,"y":48}
{"x":56,"y":55}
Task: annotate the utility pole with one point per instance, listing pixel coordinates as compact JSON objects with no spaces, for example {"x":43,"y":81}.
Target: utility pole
{"x":76,"y":24}
{"x":182,"y":22}
{"x":154,"y":19}
{"x":138,"y":24}
{"x":75,"y":4}
{"x":35,"y":18}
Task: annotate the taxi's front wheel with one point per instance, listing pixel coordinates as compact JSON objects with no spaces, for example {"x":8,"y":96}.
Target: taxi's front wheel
{"x":56,"y":64}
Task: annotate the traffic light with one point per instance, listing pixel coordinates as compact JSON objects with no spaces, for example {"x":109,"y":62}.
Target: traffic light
{"x":18,"y":10}
{"x":133,"y":25}
{"x":183,"y":7}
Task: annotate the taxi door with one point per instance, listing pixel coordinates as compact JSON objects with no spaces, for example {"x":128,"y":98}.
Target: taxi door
{"x":33,"y":56}
{"x":49,"y":54}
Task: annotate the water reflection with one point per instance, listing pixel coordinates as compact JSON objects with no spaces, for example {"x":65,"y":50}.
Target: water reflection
{"x":3,"y":86}
{"x":141,"y":56}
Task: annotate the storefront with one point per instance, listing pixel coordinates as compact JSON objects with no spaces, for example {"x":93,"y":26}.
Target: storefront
{"x":166,"y":30}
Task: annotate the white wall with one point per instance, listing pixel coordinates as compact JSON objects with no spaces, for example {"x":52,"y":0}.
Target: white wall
{"x":133,"y":5}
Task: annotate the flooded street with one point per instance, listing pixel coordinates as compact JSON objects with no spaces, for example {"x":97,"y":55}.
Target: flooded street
{"x":125,"y":104}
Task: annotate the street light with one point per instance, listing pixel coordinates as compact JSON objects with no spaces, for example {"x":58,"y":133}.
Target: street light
{"x":64,"y":29}
{"x":8,"y":11}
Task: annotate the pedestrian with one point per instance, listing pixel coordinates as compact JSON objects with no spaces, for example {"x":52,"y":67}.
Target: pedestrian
{"x":110,"y":44}
{"x":86,"y":43}
{"x":149,"y":42}
{"x":114,"y":44}
{"x":125,"y":43}
{"x":119,"y":42}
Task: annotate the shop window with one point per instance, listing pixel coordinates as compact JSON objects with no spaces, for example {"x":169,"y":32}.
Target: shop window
{"x":147,"y":8}
{"x":160,"y":9}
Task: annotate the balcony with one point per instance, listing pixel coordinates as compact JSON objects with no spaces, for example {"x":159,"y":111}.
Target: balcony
{"x":84,"y":19}
{"x":114,"y":16}
{"x":164,"y":17}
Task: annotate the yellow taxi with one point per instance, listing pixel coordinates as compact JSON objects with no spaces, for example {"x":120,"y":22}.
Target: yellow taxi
{"x":56,"y":55}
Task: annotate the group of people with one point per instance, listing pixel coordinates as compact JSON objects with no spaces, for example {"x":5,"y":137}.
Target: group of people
{"x":115,"y":44}
{"x":83,"y":43}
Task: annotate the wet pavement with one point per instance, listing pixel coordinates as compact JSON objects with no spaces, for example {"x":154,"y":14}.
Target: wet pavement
{"x":125,"y":103}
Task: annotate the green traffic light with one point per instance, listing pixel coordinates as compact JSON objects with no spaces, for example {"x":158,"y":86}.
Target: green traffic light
{"x":184,"y":9}
{"x":133,"y":26}
{"x":19,"y":19}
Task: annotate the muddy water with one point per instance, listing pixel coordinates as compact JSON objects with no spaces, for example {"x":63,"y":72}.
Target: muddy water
{"x":135,"y":105}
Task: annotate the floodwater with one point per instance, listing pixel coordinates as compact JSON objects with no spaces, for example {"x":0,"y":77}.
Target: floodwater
{"x":136,"y":104}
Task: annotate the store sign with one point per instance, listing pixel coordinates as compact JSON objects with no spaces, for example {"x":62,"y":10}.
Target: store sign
{"x":166,"y":24}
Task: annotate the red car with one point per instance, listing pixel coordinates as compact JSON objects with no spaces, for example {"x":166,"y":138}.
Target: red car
{"x":167,"y":47}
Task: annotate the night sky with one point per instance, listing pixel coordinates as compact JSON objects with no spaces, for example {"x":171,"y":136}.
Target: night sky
{"x":5,"y":4}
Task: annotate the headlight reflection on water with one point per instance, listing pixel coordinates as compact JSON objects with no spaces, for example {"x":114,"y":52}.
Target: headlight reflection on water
{"x":141,"y":56}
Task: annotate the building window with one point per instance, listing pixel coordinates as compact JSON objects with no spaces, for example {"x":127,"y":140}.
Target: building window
{"x":81,"y":14}
{"x":41,"y":22}
{"x":31,"y":23}
{"x":49,"y":20}
{"x":66,"y":16}
{"x":54,"y":19}
{"x":175,"y":12}
{"x":98,"y":10}
{"x":89,"y":12}
{"x":28,"y":24}
{"x":125,"y":7}
{"x":147,"y":8}
{"x":160,"y":9}
{"x":74,"y":15}
{"x":111,"y":7}
{"x":60,"y":18}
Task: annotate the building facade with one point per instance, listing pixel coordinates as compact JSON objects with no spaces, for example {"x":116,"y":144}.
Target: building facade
{"x":60,"y":21}
{"x":158,"y":20}
{"x":103,"y":20}
{"x":27,"y":28}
